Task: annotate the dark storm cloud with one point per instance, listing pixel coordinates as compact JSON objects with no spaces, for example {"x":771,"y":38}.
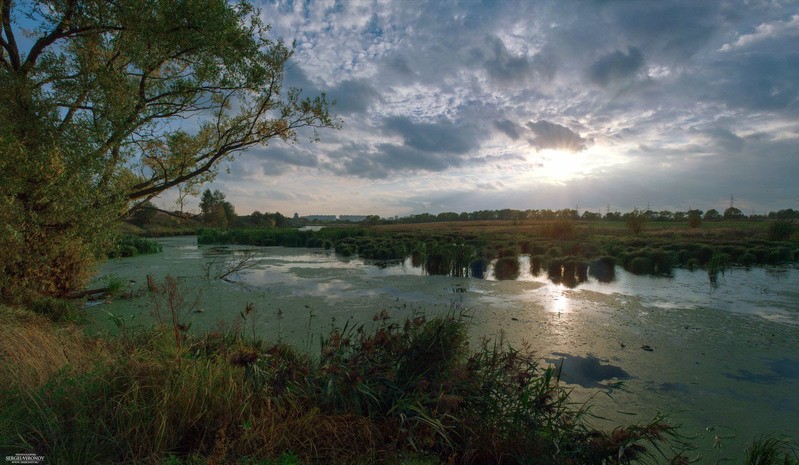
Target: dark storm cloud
{"x":353,"y":96}
{"x":388,"y":159}
{"x":295,"y":77}
{"x":503,"y":66}
{"x":615,"y":66}
{"x":277,"y":160}
{"x":443,"y":137}
{"x":675,"y":29}
{"x":758,"y":81}
{"x":509,"y":128}
{"x":398,"y":67}
{"x":554,"y":136}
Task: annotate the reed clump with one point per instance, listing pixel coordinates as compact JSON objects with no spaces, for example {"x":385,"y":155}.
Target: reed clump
{"x":411,"y":389}
{"x":467,"y":249}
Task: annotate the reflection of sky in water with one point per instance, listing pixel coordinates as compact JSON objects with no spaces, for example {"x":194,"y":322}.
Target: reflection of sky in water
{"x":766,"y":292}
{"x":718,"y":365}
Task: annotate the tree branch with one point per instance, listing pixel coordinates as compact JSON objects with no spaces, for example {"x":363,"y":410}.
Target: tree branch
{"x":10,"y":44}
{"x":45,"y":41}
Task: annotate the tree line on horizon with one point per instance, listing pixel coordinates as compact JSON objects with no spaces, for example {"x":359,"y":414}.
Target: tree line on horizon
{"x":217,"y":211}
{"x":507,"y":214}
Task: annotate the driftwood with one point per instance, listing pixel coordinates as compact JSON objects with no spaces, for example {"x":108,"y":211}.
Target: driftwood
{"x":92,"y":293}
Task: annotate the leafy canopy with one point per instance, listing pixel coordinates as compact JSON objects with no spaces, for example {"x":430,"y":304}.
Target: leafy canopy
{"x":106,"y":104}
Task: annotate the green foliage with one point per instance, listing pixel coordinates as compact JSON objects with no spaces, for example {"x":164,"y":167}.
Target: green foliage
{"x":641,"y":265}
{"x":780,"y":230}
{"x":130,"y":246}
{"x":506,"y":268}
{"x":733,"y":213}
{"x":216,"y":211}
{"x":89,"y":120}
{"x":406,"y":388}
{"x":771,"y":451}
{"x":712,"y":215}
{"x":56,"y":309}
{"x":558,"y":229}
{"x":636,"y":221}
{"x":694,"y":220}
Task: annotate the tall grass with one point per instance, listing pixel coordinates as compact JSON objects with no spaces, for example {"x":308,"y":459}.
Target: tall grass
{"x":413,"y":388}
{"x":771,"y":451}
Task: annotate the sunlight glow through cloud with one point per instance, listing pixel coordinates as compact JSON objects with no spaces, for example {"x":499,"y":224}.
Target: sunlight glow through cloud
{"x":462,"y":106}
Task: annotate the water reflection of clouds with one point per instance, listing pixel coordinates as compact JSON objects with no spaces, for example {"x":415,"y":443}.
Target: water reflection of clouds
{"x":765,"y":292}
{"x":778,"y":370}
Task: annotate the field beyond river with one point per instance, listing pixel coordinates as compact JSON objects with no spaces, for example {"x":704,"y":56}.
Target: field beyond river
{"x":716,"y":352}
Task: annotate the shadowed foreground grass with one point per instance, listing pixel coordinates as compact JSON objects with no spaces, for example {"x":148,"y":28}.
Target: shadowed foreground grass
{"x":402,"y":392}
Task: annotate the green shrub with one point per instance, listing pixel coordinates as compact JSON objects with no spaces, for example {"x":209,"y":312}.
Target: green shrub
{"x":641,"y":265}
{"x":506,"y":268}
{"x":780,"y":230}
{"x":478,"y":267}
{"x":558,"y":229}
{"x":56,"y":309}
{"x":636,"y":221}
{"x":130,"y":246}
{"x":537,"y":262}
{"x":603,"y":269}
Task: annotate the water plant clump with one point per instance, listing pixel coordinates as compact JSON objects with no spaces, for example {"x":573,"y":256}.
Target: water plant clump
{"x":603,"y":269}
{"x":466,"y":252}
{"x":507,"y":268}
{"x":130,"y":246}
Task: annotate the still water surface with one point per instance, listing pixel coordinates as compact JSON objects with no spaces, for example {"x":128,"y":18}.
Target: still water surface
{"x":722,"y":360}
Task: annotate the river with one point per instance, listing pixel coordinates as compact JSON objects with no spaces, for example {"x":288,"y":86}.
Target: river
{"x":720,"y":359}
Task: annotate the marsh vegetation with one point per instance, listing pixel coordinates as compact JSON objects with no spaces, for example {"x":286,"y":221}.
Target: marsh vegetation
{"x":567,"y":250}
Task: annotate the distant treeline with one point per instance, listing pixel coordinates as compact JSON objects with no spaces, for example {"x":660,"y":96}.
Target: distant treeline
{"x":731,"y":213}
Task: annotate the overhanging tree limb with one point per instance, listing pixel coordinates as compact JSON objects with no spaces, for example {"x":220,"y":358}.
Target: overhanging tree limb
{"x":115,"y":102}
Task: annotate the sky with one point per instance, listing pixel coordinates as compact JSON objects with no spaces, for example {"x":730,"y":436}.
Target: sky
{"x":482,"y":105}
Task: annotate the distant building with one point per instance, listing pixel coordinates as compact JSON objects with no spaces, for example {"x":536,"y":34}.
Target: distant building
{"x":320,"y":217}
{"x":352,"y":218}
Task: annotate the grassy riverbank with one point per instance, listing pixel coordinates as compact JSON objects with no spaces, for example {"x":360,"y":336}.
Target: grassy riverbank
{"x":403,"y":392}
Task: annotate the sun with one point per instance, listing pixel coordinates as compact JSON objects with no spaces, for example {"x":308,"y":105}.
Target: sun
{"x":560,"y":166}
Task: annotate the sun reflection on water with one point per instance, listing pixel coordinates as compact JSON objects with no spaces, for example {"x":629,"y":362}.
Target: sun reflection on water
{"x":561,"y":302}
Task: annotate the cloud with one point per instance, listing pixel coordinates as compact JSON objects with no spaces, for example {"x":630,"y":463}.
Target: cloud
{"x":509,"y":128}
{"x":389,"y":159}
{"x":277,"y":160}
{"x":675,"y":30}
{"x":442,"y":137}
{"x":616,"y":66}
{"x":353,"y":96}
{"x":757,"y":81}
{"x":726,"y":139}
{"x":503,"y":66}
{"x":554,"y":136}
{"x":444,"y":91}
{"x":764,"y":31}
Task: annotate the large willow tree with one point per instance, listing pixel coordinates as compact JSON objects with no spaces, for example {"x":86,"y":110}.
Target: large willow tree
{"x":107,"y":103}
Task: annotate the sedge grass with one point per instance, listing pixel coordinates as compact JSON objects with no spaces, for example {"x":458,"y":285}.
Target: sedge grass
{"x":403,"y":389}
